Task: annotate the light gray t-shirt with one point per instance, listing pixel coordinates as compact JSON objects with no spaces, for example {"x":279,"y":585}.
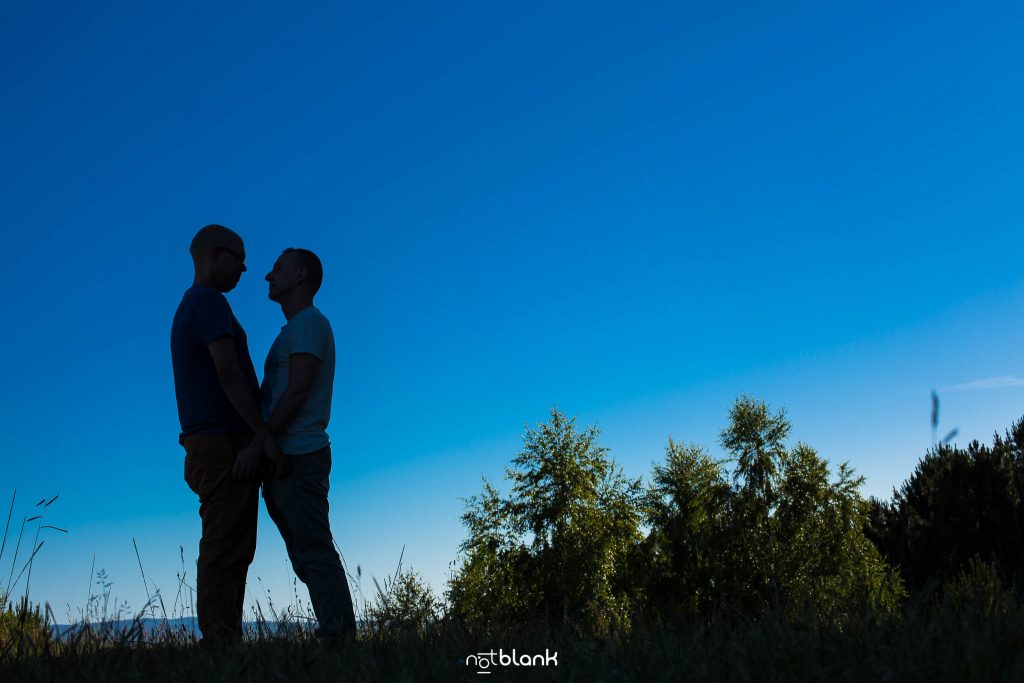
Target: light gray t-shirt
{"x":307,"y":332}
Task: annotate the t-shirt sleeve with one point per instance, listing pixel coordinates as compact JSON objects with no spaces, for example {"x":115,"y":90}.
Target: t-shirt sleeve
{"x":309,"y":336}
{"x":212,"y":318}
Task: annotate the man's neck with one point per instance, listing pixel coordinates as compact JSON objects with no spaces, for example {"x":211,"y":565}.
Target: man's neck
{"x":294,"y":306}
{"x":203,"y":279}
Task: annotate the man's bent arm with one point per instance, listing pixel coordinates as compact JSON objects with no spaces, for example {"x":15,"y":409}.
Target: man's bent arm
{"x":302,"y":369}
{"x":234,"y":384}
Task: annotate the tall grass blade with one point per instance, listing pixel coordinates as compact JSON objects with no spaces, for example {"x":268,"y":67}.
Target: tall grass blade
{"x":7,"y":526}
{"x":14,"y":560}
{"x":28,"y":563}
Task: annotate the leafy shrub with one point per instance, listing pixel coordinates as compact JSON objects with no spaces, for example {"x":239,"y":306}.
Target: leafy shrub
{"x":404,"y":605}
{"x":979,"y":592}
{"x":24,"y":629}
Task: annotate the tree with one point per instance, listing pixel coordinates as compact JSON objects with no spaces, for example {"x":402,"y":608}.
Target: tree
{"x":781,"y":536}
{"x":496,"y":580}
{"x":958,"y":504}
{"x":556,"y":547}
{"x":827,"y":562}
{"x":755,"y":438}
{"x":686,"y":504}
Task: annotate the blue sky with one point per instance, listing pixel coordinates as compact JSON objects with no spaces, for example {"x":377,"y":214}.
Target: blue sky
{"x":636,"y":213}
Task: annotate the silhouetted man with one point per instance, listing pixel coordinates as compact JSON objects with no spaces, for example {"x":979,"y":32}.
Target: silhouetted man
{"x":298,"y":380}
{"x":222,"y":430}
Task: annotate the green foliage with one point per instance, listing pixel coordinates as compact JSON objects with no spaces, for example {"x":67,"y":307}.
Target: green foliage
{"x":497,"y":579}
{"x":979,"y":593}
{"x":404,"y":605}
{"x":755,"y":439}
{"x":956,"y":505}
{"x":778,"y":533}
{"x":24,"y":630}
{"x":556,"y":548}
{"x":687,"y":507}
{"x":781,"y":536}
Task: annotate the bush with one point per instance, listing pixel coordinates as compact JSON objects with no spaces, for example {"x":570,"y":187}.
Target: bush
{"x":405,"y":605}
{"x":24,"y":629}
{"x":979,"y":592}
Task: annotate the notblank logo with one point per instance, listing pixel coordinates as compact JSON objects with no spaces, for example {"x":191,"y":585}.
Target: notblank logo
{"x":483,"y":661}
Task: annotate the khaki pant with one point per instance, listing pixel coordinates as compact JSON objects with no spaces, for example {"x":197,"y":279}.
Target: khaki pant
{"x":229,"y":510}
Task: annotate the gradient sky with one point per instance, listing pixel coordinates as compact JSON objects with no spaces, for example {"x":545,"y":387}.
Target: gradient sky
{"x":636,"y":212}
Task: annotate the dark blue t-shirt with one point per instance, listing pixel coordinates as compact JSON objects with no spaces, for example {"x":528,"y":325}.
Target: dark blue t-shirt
{"x":204,"y":316}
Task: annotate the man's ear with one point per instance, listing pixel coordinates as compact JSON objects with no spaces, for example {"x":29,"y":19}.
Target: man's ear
{"x":300,"y":274}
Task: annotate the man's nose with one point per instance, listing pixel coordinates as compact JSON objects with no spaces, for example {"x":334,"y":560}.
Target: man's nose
{"x":244,"y":268}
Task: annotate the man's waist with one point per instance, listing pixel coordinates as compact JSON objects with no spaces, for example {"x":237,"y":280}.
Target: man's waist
{"x":298,"y":442}
{"x":227,"y":430}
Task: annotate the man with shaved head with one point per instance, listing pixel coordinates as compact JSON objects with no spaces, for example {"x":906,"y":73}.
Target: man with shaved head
{"x":298,"y":380}
{"x":224,"y":435}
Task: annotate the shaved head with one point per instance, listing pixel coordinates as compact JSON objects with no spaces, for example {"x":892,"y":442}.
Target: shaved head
{"x":218,"y":255}
{"x":212,"y":236}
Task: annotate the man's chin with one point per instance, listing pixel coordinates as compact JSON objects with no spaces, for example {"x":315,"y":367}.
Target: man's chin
{"x":228,"y":286}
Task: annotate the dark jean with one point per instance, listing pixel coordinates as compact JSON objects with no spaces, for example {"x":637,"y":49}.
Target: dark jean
{"x":298,"y":505}
{"x":229,"y":509}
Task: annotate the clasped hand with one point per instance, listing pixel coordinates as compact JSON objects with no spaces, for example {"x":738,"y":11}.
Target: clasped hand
{"x":248,"y":459}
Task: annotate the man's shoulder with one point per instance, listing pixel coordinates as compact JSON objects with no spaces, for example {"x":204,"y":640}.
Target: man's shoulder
{"x":201,"y":293}
{"x":198,"y":296}
{"x":204,"y":313}
{"x":308,"y":329}
{"x":312,"y":318}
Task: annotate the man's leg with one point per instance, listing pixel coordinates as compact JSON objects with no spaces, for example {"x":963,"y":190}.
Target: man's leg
{"x":229,"y":510}
{"x":274,"y":490}
{"x":298,"y":505}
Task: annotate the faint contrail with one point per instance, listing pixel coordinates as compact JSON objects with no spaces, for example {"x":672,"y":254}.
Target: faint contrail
{"x":989,"y":383}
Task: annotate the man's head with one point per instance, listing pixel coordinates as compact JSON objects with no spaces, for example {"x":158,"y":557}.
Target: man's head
{"x":296,"y":273}
{"x":219,"y":257}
